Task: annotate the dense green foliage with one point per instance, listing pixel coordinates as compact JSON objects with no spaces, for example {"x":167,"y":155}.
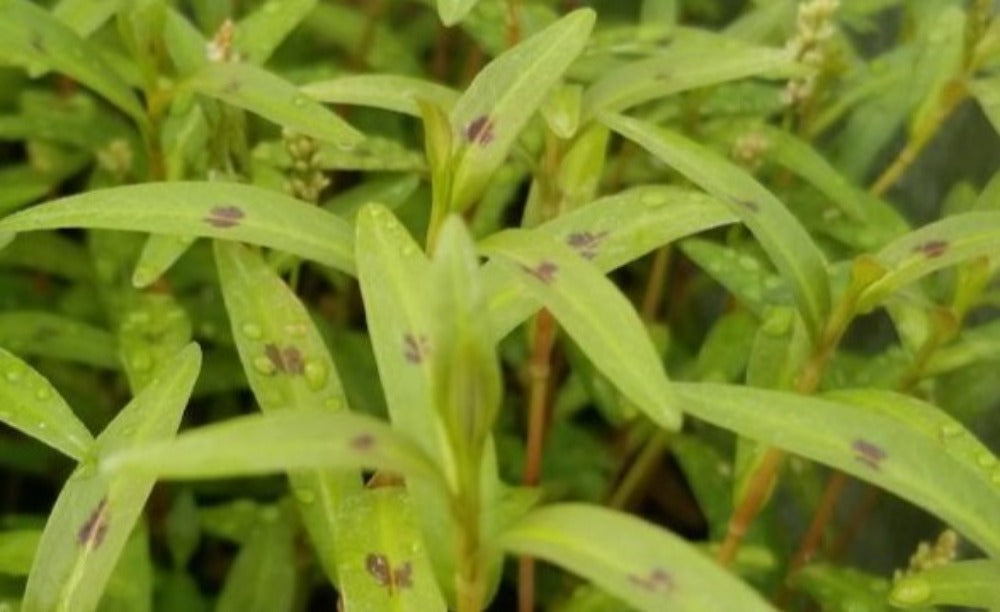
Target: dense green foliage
{"x":306,"y":304}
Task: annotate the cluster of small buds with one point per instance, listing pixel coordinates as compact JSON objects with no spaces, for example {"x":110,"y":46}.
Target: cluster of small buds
{"x":814,"y":29}
{"x":749,"y":149}
{"x":927,"y":556}
{"x":220,"y":48}
{"x":116,"y":158}
{"x":306,"y":179}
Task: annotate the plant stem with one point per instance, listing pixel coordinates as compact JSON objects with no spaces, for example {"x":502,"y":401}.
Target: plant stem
{"x":951,"y":97}
{"x":652,"y":300}
{"x":539,"y":371}
{"x":513,"y":22}
{"x":639,"y":471}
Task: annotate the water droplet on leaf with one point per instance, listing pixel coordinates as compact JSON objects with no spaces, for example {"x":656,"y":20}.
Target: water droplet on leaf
{"x":252,"y":331}
{"x":264,"y":365}
{"x":316,"y":374}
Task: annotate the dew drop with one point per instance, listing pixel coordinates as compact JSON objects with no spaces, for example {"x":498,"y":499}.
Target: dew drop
{"x":252,"y":331}
{"x":408,"y":250}
{"x":986,"y":460}
{"x":333,"y":403}
{"x":299,"y":101}
{"x":296,"y":329}
{"x":306,"y":496}
{"x":43,"y":393}
{"x":316,"y":374}
{"x":950,"y":430}
{"x":13,"y":375}
{"x":42,"y":425}
{"x":264,"y":365}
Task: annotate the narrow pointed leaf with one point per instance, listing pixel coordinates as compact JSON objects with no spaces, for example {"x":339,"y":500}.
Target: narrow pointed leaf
{"x":972,"y":584}
{"x":790,"y":247}
{"x":153,"y":330}
{"x":938,"y":245}
{"x":159,"y":253}
{"x":453,"y":11}
{"x":277,"y":442}
{"x":896,"y":442}
{"x":86,"y":16}
{"x":641,"y":564}
{"x":220,"y":210}
{"x":31,"y":35}
{"x":389,"y":569}
{"x":595,"y":313}
{"x":262,"y":578}
{"x":95,"y":513}
{"x":392,"y":92}
{"x":488,"y":118}
{"x":289,"y":368}
{"x":28,"y":402}
{"x":254,"y":89}
{"x":987,"y":93}
{"x":58,"y":337}
{"x":262,"y":31}
{"x":610,"y":232}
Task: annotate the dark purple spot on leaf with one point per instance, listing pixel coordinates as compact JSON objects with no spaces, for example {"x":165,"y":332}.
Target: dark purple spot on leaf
{"x":37,"y":42}
{"x":224,"y":216}
{"x":415,"y":348}
{"x":932,"y":248}
{"x":379,"y":568}
{"x":868,"y":453}
{"x":480,"y":131}
{"x":403,"y":575}
{"x":96,"y":526}
{"x":287,"y":361}
{"x":748,"y":204}
{"x":657,"y":581}
{"x":586,"y":243}
{"x":363,"y":442}
{"x":232,"y":87}
{"x":545,"y":271}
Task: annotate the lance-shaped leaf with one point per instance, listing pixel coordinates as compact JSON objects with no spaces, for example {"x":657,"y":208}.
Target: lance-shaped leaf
{"x":751,"y":282}
{"x":967,"y":583}
{"x":262,"y":578}
{"x":95,"y":513}
{"x":641,"y":564}
{"x":50,"y":335}
{"x":987,"y":93}
{"x":277,"y":442}
{"x":489,"y":116}
{"x":453,"y":11}
{"x":28,"y":402}
{"x":393,"y":273}
{"x":259,"y":33}
{"x":789,"y":246}
{"x":30,"y":35}
{"x":220,"y":210}
{"x":932,"y":247}
{"x":840,"y":587}
{"x":389,"y":569}
{"x":694,"y":59}
{"x":288,"y":367}
{"x":595,"y":313}
{"x":610,"y":232}
{"x":159,"y":253}
{"x":391,"y":92}
{"x":86,"y":16}
{"x":263,"y":93}
{"x":896,"y":442}
{"x":154,"y":328}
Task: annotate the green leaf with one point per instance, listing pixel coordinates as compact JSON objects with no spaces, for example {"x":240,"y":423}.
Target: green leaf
{"x":643,"y":565}
{"x":749,"y":280}
{"x":503,"y":97}
{"x":790,"y":247}
{"x":261,"y":92}
{"x":58,"y":337}
{"x":694,"y":59}
{"x":896,"y":442}
{"x":595,"y":313}
{"x":987,"y":93}
{"x":262,"y":31}
{"x":159,"y":253}
{"x":373,"y":154}
{"x":48,"y":252}
{"x":95,"y":513}
{"x":934,"y":246}
{"x":17,"y":550}
{"x":130,"y":587}
{"x":388,"y":569}
{"x":262,"y":578}
{"x":276,"y":442}
{"x":842,"y":588}
{"x":453,"y":11}
{"x":154,"y":328}
{"x":965,"y":583}
{"x":220,"y":210}
{"x":610,"y":232}
{"x":86,"y":16}
{"x":30,"y":35}
{"x":391,"y":92}
{"x":289,"y":368}
{"x":393,"y":192}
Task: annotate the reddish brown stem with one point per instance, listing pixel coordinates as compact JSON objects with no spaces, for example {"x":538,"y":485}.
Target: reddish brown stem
{"x":744,"y":514}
